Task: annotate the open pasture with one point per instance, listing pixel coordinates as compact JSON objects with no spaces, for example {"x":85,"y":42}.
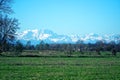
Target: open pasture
{"x":48,"y":68}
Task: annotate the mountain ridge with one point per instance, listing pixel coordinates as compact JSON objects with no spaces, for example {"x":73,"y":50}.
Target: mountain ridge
{"x":35,"y":36}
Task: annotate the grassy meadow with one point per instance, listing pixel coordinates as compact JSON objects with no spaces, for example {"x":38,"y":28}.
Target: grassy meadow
{"x":59,"y":68}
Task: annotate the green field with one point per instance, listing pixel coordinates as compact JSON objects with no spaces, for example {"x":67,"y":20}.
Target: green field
{"x":49,"y":68}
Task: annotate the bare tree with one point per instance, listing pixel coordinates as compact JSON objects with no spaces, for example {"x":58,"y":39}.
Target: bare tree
{"x":80,"y":46}
{"x":69,"y":49}
{"x":8,"y":27}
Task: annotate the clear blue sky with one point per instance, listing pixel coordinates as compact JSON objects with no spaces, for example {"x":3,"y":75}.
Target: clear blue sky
{"x":69,"y":16}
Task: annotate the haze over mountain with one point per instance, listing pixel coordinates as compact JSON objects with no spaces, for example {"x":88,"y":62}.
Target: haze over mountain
{"x":48,"y":36}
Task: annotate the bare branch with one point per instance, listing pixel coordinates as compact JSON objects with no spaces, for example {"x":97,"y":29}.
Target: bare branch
{"x":5,"y":6}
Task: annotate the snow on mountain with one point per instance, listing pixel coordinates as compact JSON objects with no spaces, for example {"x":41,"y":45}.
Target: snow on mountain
{"x":28,"y":35}
{"x":35,"y":36}
{"x":75,"y":38}
{"x":43,"y":36}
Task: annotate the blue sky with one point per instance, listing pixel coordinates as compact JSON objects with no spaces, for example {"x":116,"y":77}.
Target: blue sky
{"x":69,"y":16}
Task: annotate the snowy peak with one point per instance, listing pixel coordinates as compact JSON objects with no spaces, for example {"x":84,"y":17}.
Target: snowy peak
{"x":51,"y":37}
{"x":28,"y":34}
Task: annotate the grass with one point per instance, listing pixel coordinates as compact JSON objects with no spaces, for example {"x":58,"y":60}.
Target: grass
{"x":48,"y":68}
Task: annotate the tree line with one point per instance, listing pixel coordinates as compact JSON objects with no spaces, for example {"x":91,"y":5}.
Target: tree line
{"x":79,"y":46}
{"x":68,"y":48}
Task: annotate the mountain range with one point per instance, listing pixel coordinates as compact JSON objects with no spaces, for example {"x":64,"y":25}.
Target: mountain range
{"x":48,"y":36}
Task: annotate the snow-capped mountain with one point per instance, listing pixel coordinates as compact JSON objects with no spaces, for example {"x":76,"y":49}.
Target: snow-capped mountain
{"x":35,"y":36}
